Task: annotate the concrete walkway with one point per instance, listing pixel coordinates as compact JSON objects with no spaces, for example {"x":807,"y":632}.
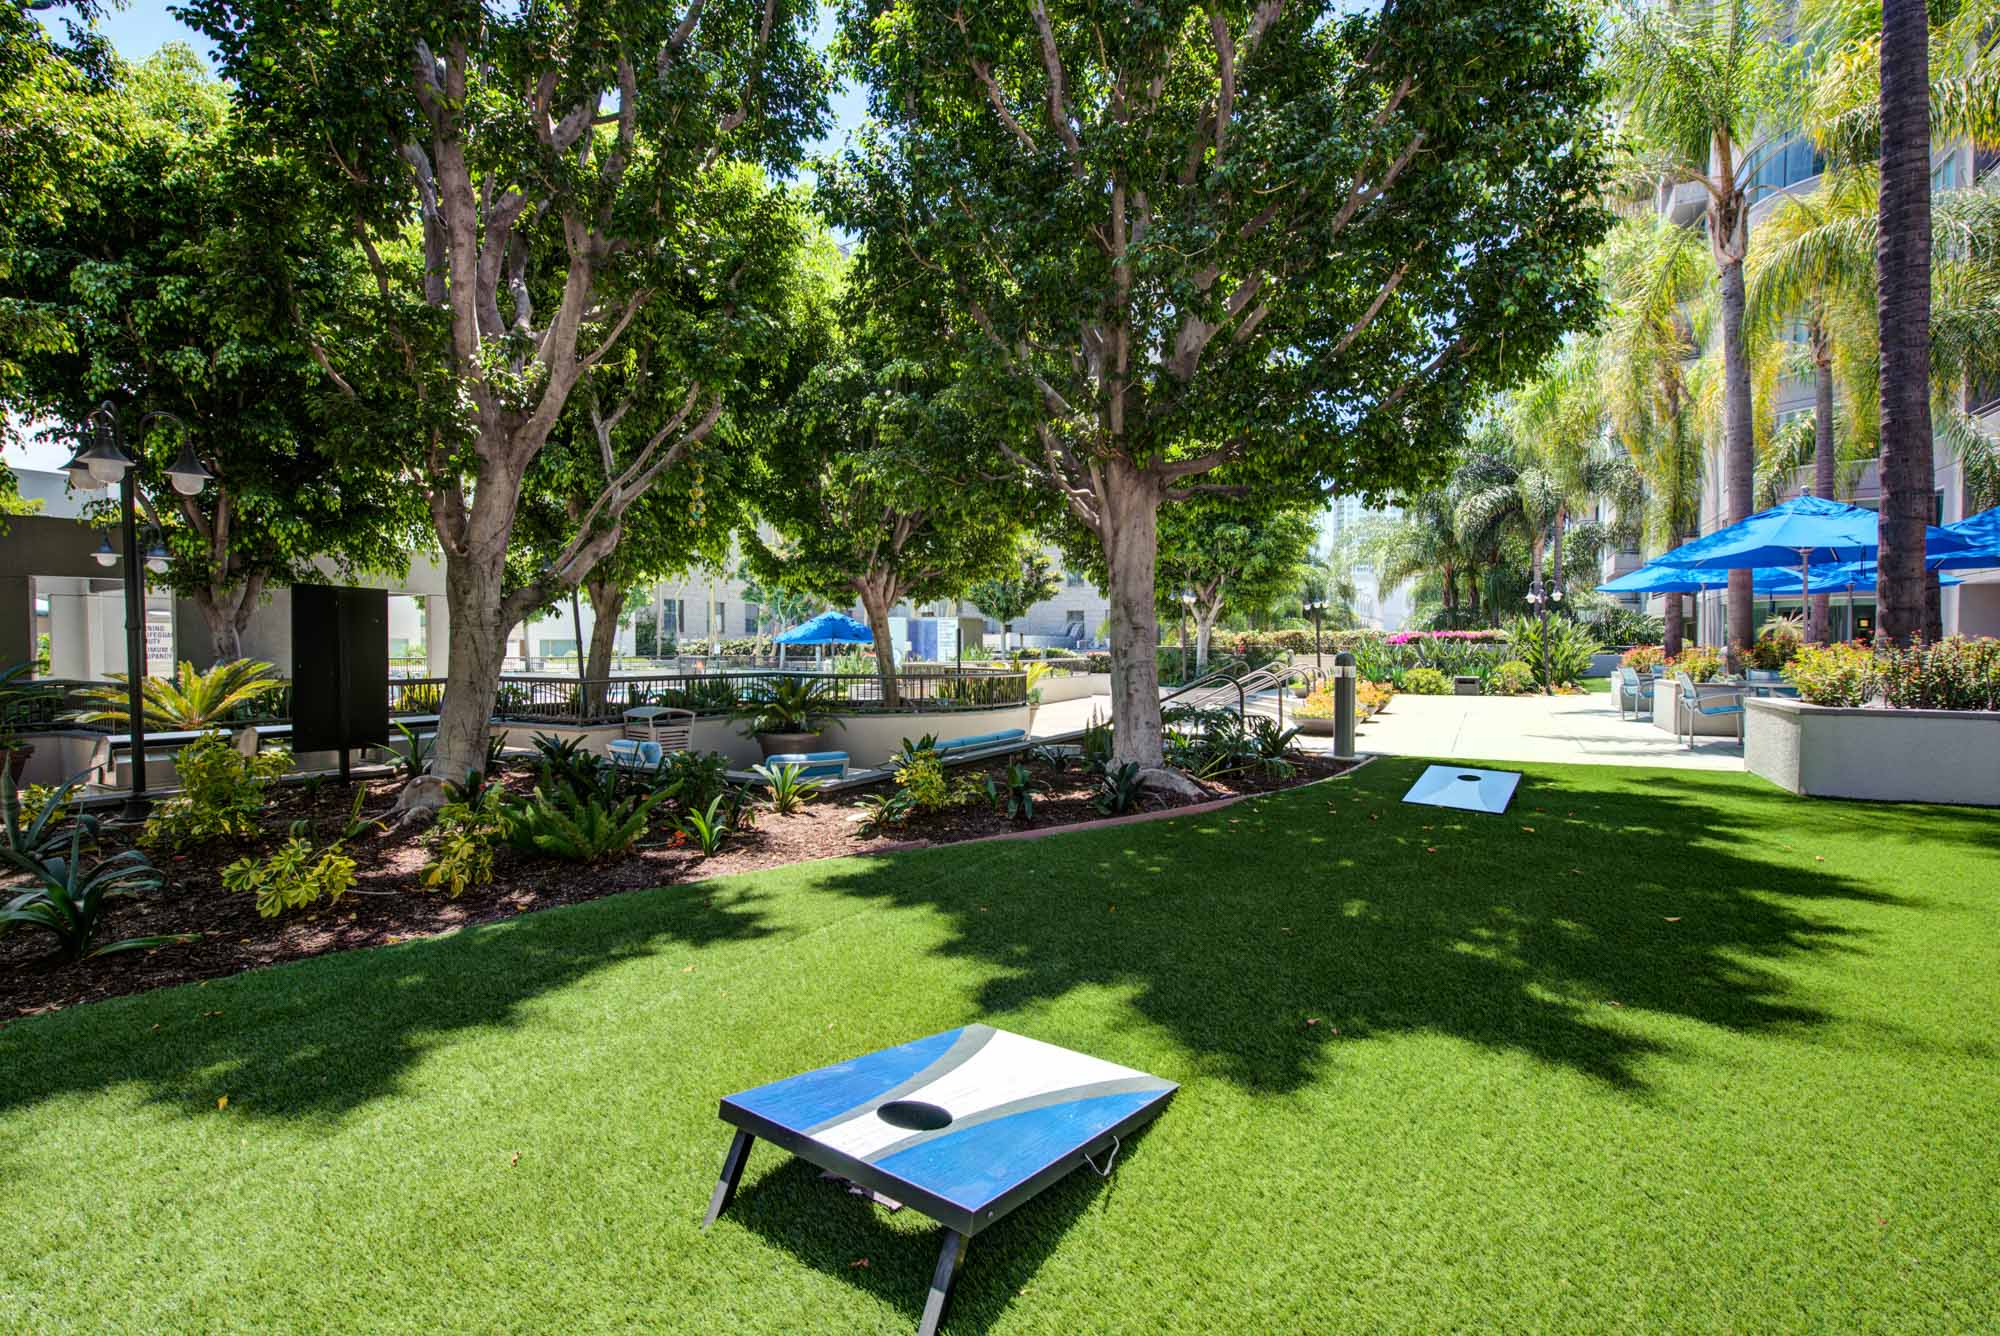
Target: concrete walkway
{"x":1582,"y":730}
{"x":1577,"y":729}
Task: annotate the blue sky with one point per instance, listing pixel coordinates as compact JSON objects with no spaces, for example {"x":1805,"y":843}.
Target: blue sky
{"x":145,"y":25}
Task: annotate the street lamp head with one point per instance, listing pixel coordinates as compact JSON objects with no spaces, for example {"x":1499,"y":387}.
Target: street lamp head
{"x":188,"y":474}
{"x":78,"y":470}
{"x":106,"y":554}
{"x":156,"y":558}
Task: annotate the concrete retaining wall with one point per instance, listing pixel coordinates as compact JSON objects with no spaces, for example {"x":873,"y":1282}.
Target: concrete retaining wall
{"x":1930,"y":756}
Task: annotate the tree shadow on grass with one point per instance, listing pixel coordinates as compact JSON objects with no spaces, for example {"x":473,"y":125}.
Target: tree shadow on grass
{"x":318,"y":1038}
{"x":820,"y":1226}
{"x":1260,"y":936}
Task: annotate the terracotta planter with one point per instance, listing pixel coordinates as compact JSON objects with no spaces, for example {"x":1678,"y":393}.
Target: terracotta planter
{"x":779,"y":744}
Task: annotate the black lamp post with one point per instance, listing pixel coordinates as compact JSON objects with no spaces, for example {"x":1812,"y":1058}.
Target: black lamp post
{"x":1540,"y":597}
{"x":103,"y":462}
{"x":1316,"y":609}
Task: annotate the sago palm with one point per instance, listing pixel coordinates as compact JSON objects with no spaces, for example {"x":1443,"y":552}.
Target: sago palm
{"x":188,"y":700}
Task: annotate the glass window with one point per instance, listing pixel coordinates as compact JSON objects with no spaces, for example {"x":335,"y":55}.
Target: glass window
{"x":750,"y":615}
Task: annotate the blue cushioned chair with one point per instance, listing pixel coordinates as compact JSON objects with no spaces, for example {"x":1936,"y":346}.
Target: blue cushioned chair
{"x":1635,"y":693}
{"x":1713,"y":703}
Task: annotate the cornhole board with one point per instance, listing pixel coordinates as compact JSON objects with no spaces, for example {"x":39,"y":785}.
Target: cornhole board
{"x":1465,"y":788}
{"x":962,"y":1126}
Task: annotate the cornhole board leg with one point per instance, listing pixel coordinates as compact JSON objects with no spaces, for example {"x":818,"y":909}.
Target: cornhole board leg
{"x":950,"y":1256}
{"x":732,"y":1174}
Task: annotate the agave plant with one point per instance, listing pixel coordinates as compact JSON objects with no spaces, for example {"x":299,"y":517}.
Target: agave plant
{"x":190,"y":699}
{"x":69,"y":899}
{"x":38,"y":836}
{"x":786,"y":787}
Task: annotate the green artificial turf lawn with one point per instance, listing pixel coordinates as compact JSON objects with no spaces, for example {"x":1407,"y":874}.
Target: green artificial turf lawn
{"x":1689,"y":1054}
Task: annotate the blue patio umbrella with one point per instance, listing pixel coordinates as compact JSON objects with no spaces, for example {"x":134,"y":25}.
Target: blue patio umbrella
{"x":1801,"y":533}
{"x":1983,"y":532}
{"x":1652,"y":579}
{"x":829,"y":628}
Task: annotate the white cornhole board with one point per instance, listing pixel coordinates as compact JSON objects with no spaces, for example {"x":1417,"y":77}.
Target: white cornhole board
{"x":1465,"y":788}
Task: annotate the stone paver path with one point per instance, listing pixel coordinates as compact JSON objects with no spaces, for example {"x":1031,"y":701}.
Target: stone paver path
{"x":1578,"y":729}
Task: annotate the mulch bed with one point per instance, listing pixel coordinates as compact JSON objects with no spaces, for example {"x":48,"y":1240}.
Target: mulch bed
{"x":390,"y":903}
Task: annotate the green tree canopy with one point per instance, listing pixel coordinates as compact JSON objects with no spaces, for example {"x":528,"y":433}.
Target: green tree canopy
{"x":181,"y":277}
{"x":1008,"y":596}
{"x":532,"y":187}
{"x":1300,"y":241}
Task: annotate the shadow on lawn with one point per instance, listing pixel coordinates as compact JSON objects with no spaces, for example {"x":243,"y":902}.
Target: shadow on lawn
{"x":318,"y":1038}
{"x":793,"y":1209}
{"x":1264,"y":937}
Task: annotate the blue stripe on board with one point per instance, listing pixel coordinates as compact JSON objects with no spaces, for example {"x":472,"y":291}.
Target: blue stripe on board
{"x":973,"y":1167}
{"x":804,"y":1101}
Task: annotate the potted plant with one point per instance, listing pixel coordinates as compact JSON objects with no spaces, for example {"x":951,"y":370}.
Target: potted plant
{"x":1034,"y":673}
{"x":787,"y":714}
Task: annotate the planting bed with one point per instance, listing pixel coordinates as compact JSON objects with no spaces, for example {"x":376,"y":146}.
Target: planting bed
{"x":390,"y":903}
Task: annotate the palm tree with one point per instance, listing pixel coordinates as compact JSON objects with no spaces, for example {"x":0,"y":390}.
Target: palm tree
{"x":1422,"y":549}
{"x":1653,"y":279}
{"x":1697,"y":76}
{"x":1505,"y":491}
{"x":1807,"y":275}
{"x":1903,"y":286}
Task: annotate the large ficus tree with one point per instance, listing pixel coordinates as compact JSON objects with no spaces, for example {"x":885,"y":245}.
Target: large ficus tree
{"x":177,"y":281}
{"x":1274,"y":236}
{"x":861,"y":499}
{"x":525,"y":182}
{"x":1230,"y":551}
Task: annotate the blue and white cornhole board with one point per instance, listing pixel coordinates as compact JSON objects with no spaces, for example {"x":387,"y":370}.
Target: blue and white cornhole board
{"x":1465,"y":788}
{"x":963,"y":1126}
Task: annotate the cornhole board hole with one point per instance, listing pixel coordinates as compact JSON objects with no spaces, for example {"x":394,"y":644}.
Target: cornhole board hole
{"x":1464,"y":788}
{"x":962,"y":1126}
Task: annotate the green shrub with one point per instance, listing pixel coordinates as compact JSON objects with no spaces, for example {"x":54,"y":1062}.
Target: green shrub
{"x":1953,"y":674}
{"x":1776,"y":644}
{"x":1558,"y":655}
{"x":1013,"y":793}
{"x":299,"y":874}
{"x":922,"y":777}
{"x":221,"y":797}
{"x":1511,"y":678}
{"x":1838,"y":674}
{"x":1627,"y":626}
{"x":296,"y":876}
{"x":1642,"y":658}
{"x":577,"y":825}
{"x":880,"y":812}
{"x":696,"y":778}
{"x":189,"y":699}
{"x":1700,"y":663}
{"x":1118,"y":790}
{"x":463,"y":837}
{"x":708,"y":828}
{"x":1425,"y":682}
{"x":789,"y":704}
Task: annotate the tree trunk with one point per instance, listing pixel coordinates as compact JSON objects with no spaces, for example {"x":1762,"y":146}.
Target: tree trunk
{"x":1819,"y":613}
{"x":473,"y":592}
{"x":1128,"y":528}
{"x":1676,"y":626}
{"x":1472,"y":587}
{"x":878,"y":594}
{"x":1903,"y":305}
{"x":1556,"y":550}
{"x":1204,"y":630}
{"x":227,"y":612}
{"x":1739,"y":446}
{"x":607,"y":601}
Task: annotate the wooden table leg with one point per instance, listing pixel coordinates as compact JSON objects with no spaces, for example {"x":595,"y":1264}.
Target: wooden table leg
{"x":732,"y":1174}
{"x":949,"y":1258}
